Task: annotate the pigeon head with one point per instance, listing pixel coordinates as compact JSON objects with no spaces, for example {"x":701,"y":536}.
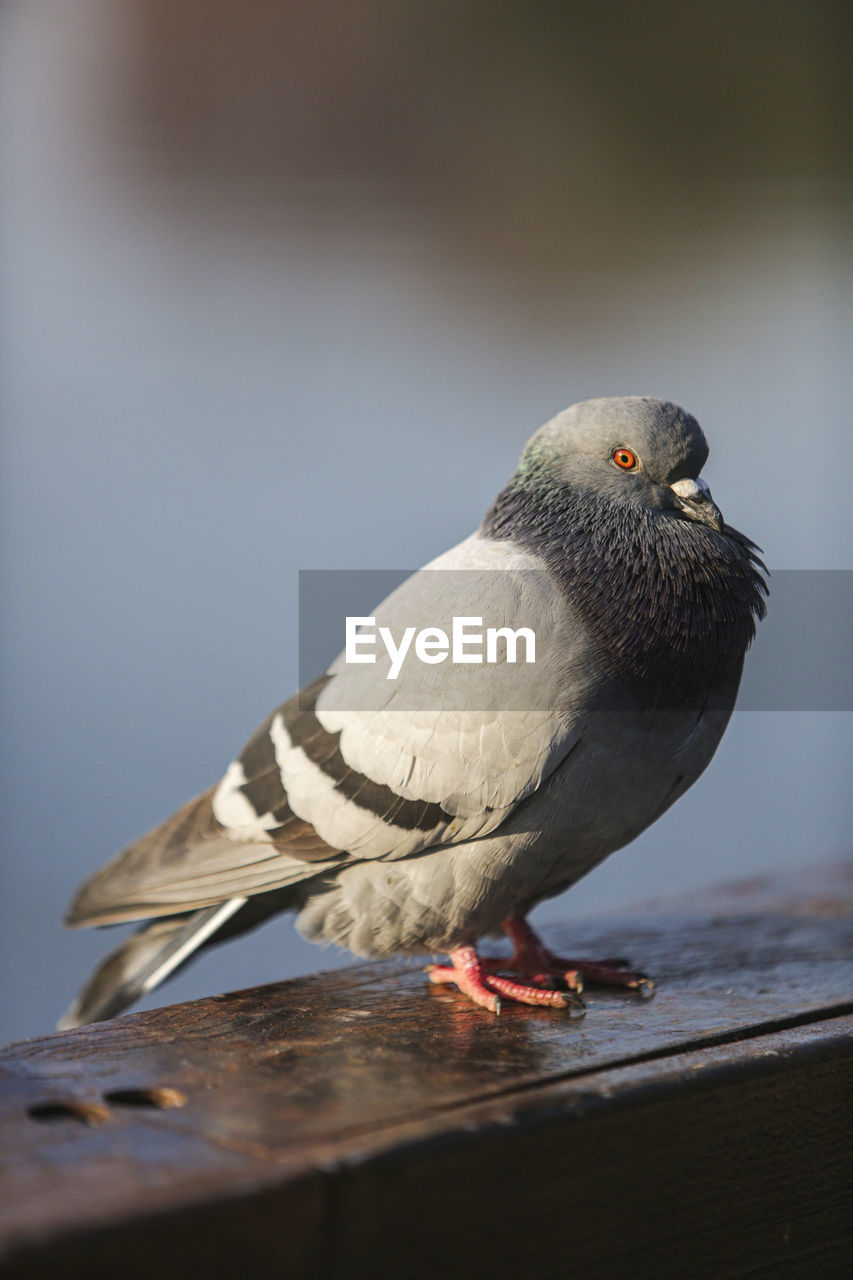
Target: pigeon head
{"x":609,"y":496}
{"x":632,"y":450}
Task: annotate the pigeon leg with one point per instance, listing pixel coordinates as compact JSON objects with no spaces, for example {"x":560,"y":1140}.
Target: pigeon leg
{"x":534,"y":960}
{"x":467,"y":973}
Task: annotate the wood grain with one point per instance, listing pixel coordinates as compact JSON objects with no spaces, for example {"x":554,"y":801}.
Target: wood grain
{"x":360,"y":1120}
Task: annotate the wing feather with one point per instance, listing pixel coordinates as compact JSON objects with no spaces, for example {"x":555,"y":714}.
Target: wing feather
{"x":357,"y":766}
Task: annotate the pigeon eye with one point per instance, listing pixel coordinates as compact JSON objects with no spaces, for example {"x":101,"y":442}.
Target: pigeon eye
{"x":625,"y":458}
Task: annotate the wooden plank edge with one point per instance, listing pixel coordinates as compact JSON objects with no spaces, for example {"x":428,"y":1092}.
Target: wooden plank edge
{"x":298,"y":1221}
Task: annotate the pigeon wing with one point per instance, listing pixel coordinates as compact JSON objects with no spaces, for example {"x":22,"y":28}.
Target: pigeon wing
{"x":360,"y":766}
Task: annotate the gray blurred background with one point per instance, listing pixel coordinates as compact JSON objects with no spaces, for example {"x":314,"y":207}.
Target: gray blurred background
{"x":288,"y":286}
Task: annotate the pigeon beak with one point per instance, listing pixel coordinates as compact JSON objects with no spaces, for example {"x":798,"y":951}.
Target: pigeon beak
{"x":694,"y":499}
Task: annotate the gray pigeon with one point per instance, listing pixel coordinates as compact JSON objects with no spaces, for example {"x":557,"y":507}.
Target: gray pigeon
{"x":418,"y":813}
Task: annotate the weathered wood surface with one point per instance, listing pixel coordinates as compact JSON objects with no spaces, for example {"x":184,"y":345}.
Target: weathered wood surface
{"x":361,"y":1122}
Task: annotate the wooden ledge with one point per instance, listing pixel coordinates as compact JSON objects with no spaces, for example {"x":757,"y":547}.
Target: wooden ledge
{"x":360,"y":1123}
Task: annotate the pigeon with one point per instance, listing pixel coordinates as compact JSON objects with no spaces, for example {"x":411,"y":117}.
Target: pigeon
{"x":417,"y":813}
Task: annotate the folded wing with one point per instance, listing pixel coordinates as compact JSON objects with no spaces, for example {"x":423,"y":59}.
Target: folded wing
{"x":358,"y":766}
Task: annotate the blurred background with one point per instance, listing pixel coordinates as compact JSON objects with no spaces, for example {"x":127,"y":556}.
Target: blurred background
{"x":287,"y":286}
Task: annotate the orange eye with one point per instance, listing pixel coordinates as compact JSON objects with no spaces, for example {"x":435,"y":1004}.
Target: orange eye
{"x":625,"y":458}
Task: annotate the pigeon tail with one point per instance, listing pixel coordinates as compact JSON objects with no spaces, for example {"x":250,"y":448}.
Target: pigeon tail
{"x":143,"y":962}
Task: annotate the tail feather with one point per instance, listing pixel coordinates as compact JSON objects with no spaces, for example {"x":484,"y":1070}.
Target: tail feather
{"x":144,"y":961}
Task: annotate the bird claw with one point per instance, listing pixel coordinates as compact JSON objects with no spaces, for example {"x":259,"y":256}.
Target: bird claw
{"x":467,"y":972}
{"x":553,"y":982}
{"x":534,"y":960}
{"x":607,"y":973}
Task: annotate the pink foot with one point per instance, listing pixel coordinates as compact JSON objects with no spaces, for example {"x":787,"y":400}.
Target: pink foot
{"x":533,"y":959}
{"x":466,"y":971}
